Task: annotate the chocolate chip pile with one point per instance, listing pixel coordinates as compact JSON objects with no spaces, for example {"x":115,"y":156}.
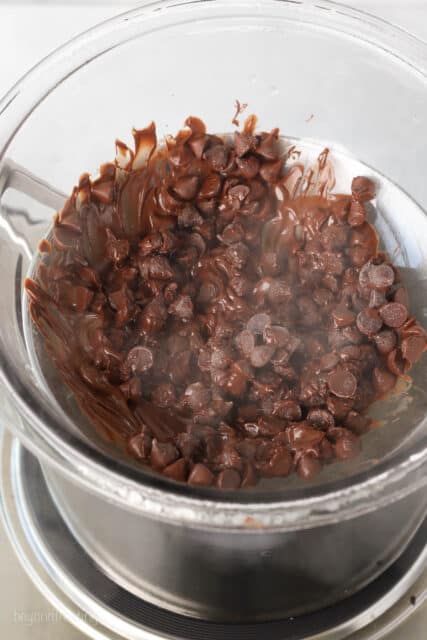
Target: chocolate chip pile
{"x":218,"y":311}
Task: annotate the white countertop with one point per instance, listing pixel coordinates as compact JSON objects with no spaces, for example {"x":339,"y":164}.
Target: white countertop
{"x":29,"y":31}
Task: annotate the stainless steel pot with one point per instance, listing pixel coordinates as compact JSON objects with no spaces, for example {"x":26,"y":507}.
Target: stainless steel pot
{"x":277,"y":550}
{"x":236,"y":574}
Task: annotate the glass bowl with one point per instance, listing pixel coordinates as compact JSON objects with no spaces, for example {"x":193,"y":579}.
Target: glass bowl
{"x":327,"y":75}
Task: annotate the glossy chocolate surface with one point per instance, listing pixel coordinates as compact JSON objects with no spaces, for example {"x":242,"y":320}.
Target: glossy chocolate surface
{"x":218,"y":314}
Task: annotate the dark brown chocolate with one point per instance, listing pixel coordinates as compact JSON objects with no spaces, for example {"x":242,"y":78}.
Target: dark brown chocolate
{"x":214,"y":317}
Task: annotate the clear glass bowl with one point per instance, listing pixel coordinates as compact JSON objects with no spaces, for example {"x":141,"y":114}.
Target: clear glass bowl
{"x":323,"y":73}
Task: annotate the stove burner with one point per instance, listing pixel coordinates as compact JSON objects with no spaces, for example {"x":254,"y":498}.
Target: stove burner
{"x":70,"y":579}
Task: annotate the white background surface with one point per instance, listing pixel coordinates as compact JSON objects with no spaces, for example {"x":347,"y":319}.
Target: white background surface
{"x":28,"y":32}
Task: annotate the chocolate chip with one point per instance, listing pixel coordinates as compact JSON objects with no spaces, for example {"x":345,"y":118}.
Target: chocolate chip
{"x":368,"y":356}
{"x":197,"y":144}
{"x":343,"y":316}
{"x":180,"y":366}
{"x":151,"y":243}
{"x":163,"y":454}
{"x":180,"y":156}
{"x":352,"y":334}
{"x":189,"y":217}
{"x":65,"y":238}
{"x":247,"y":412}
{"x":239,"y":192}
{"x":269,"y":426}
{"x":303,"y":436}
{"x":200,"y":476}
{"x":333,"y":263}
{"x":357,"y":423}
{"x":167,"y":203}
{"x":342,"y":383}
{"x":246,"y":342}
{"x":232,"y":233}
{"x":380,"y":276}
{"x":258,"y":323}
{"x":261,"y":355}
{"x":140,"y":359}
{"x":157,"y":267}
{"x":237,"y":380}
{"x":196,"y":240}
{"x":240,"y":285}
{"x":74,"y":297}
{"x":220,"y":359}
{"x":385,"y":341}
{"x":339,"y":432}
{"x":330,"y":282}
{"x":271,"y":263}
{"x":267,"y":148}
{"x":412,"y":347}
{"x":177,"y":470}
{"x":182,"y":308}
{"x":363,"y":189}
{"x":196,"y":396}
{"x":394,"y":314}
{"x":211,"y":186}
{"x":334,"y":237}
{"x":276,"y":336}
{"x":139,"y":446}
{"x":329,"y":361}
{"x":228,"y":456}
{"x":237,"y":255}
{"x":288,"y":410}
{"x":357,"y":214}
{"x":207,"y":206}
{"x":396,"y":363}
{"x":277,"y":462}
{"x":321,"y":418}
{"x":228,"y":479}
{"x":170,"y":242}
{"x":132,"y":389}
{"x":189,"y":444}
{"x":186,"y":187}
{"x":243,"y":143}
{"x":117,"y":250}
{"x":170,"y":292}
{"x":217,"y":157}
{"x":369,"y":322}
{"x":164,"y":395}
{"x":278,"y":292}
{"x":223,"y":331}
{"x":249,"y":166}
{"x":350,"y":352}
{"x":207,"y":292}
{"x":359,"y":254}
{"x":364,"y":272}
{"x":187,"y":257}
{"x":326,"y":451}
{"x":251,"y":429}
{"x":323,"y":297}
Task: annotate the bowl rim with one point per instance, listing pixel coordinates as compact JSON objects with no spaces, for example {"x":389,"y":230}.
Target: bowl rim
{"x":151,"y":493}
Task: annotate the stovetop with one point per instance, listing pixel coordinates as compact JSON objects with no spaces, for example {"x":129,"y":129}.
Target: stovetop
{"x":72,"y":582}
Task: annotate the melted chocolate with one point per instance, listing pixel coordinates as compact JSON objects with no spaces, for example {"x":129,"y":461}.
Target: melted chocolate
{"x":225,"y":317}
